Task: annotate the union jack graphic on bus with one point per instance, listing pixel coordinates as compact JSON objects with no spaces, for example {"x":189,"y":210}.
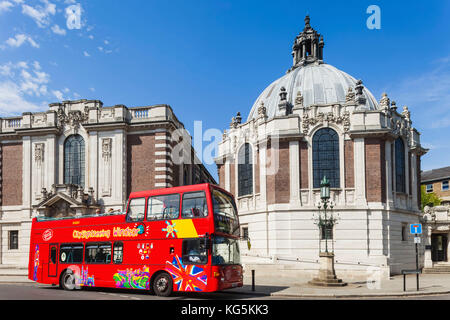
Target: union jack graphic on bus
{"x":187,"y":277}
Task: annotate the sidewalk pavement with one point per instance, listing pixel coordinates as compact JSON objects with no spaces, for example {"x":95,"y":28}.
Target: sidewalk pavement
{"x":429,"y":284}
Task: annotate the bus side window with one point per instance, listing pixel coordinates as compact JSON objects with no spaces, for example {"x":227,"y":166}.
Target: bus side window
{"x":118,"y":252}
{"x":71,"y":253}
{"x":163,"y":207}
{"x":194,"y":205}
{"x":98,"y":253}
{"x":136,"y":210}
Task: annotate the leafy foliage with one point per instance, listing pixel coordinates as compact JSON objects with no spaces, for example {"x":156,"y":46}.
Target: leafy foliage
{"x":429,"y":199}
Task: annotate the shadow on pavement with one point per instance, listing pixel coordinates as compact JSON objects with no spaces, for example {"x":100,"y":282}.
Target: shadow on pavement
{"x":232,"y":294}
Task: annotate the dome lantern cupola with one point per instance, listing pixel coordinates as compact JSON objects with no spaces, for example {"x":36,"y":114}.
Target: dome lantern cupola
{"x":308,"y":46}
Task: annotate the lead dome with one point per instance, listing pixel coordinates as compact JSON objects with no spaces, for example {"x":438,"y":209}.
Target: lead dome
{"x":318,"y":83}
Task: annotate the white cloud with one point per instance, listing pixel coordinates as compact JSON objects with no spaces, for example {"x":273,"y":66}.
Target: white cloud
{"x":58,"y":94}
{"x":37,"y":65}
{"x":19,"y":40}
{"x":13,"y":102}
{"x":86,"y":54}
{"x":58,"y":30}
{"x":428,"y":93}
{"x":40,"y":14}
{"x":92,"y":89}
{"x":5,"y":6}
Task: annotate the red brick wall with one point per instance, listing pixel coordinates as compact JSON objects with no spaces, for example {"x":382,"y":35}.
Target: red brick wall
{"x":303,"y":147}
{"x":140,"y":162}
{"x":12,"y":174}
{"x":375,"y":170}
{"x":278,"y":184}
{"x":349,"y":165}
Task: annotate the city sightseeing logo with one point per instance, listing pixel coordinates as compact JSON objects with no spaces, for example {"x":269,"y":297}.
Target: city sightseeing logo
{"x":47,"y":235}
{"x":117,"y":232}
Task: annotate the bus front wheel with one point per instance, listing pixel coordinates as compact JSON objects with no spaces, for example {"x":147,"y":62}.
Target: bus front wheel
{"x":163,"y":285}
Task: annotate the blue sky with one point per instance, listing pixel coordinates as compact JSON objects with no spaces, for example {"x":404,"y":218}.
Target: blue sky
{"x":209,"y":59}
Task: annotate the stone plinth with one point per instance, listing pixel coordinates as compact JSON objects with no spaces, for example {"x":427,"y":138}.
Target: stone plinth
{"x":327,"y":275}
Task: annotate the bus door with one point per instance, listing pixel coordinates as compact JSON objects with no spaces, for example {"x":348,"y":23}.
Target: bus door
{"x":53,"y":261}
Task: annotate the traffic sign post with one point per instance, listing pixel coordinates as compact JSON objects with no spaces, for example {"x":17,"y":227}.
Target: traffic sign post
{"x":416,"y":230}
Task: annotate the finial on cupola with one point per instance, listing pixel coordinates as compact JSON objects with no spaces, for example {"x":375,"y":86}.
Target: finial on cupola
{"x":308,"y":46}
{"x":307,"y":22}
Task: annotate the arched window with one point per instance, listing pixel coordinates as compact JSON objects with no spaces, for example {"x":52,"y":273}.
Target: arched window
{"x":74,"y":154}
{"x":245,"y":170}
{"x":400,"y":176}
{"x":326,"y":157}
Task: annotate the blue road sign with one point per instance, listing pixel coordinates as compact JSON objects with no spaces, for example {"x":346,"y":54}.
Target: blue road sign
{"x":416,"y":228}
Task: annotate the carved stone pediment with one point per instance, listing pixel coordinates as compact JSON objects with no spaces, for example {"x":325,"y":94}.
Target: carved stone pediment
{"x":321,"y":117}
{"x":73,"y":118}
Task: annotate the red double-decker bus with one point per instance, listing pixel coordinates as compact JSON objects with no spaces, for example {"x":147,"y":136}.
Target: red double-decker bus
{"x":175,"y":239}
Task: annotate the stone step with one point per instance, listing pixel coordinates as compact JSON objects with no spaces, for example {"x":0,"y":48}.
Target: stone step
{"x":14,"y":279}
{"x":13,"y":272}
{"x":12,"y":266}
{"x":9,"y":270}
{"x":440,"y":269}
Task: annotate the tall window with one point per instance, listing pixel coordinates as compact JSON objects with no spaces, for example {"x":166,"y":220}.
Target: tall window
{"x":400,"y":176}
{"x":245,"y":171}
{"x":326,"y":157}
{"x":74,"y":160}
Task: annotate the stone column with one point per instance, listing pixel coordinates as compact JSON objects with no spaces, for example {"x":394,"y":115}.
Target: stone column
{"x":262,"y":174}
{"x":389,"y":164}
{"x":26,"y":169}
{"x":226,"y":165}
{"x":414,"y":175}
{"x":294,"y":171}
{"x":428,"y":262}
{"x":92,"y":177}
{"x":360,"y":172}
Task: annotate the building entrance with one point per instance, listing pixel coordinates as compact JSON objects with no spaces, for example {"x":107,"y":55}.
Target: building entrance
{"x":439,"y":247}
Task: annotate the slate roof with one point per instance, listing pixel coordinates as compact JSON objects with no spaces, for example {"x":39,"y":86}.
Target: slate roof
{"x":435,"y":174}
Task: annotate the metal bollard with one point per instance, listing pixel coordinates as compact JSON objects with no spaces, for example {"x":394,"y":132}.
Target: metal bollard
{"x":253,"y":280}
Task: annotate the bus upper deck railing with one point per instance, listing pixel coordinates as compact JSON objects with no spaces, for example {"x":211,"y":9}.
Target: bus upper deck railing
{"x":45,"y":219}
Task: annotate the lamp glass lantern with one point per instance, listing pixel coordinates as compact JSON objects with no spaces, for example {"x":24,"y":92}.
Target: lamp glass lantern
{"x":325,"y":188}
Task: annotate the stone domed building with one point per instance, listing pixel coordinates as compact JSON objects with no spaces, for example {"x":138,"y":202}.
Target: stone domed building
{"x":318,"y":121}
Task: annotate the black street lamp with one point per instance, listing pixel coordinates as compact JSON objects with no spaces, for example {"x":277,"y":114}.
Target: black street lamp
{"x":325,"y":222}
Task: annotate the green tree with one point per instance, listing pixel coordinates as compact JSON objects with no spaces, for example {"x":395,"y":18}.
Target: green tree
{"x":429,"y":199}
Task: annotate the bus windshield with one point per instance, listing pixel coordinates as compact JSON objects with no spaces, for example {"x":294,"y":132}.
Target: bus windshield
{"x":225,"y":251}
{"x":225,"y":213}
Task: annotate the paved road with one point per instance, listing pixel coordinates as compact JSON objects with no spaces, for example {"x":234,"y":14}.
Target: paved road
{"x":33,"y":291}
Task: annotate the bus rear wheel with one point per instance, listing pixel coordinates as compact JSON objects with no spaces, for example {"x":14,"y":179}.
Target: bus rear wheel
{"x":163,"y":285}
{"x":67,"y":281}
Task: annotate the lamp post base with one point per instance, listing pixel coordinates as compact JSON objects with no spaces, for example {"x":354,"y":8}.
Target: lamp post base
{"x":327,"y":275}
